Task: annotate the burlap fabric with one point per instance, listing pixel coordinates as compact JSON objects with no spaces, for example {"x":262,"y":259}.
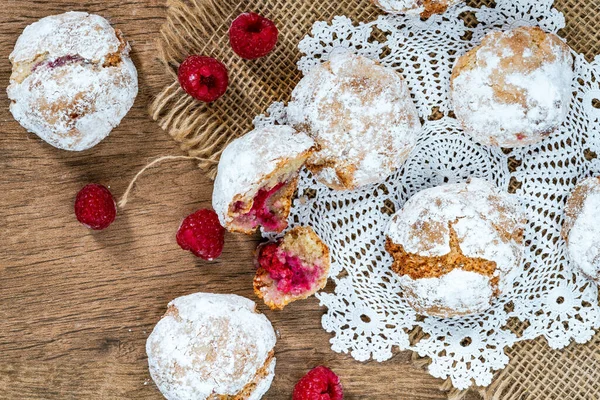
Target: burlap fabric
{"x":200,"y":27}
{"x":536,"y":372}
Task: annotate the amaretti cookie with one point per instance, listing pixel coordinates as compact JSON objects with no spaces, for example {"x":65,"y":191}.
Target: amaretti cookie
{"x":72,"y":80}
{"x":515,"y":88}
{"x":581,"y":227}
{"x":361,"y":116}
{"x":257,"y":177}
{"x":456,"y":247}
{"x":292,"y":268}
{"x":423,"y":8}
{"x":212,"y":346}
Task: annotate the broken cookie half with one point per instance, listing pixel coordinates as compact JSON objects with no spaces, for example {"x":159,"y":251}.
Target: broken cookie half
{"x":257,"y":177}
{"x":292,"y":268}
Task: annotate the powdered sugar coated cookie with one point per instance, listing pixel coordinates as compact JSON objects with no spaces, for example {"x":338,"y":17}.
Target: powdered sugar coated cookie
{"x":257,"y":176}
{"x":456,"y":247}
{"x":581,"y":228}
{"x":361,"y":116}
{"x":211,"y":345}
{"x":515,"y":88}
{"x":72,"y":80}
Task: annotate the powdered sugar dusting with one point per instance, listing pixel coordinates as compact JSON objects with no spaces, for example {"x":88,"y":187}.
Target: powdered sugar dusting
{"x":264,"y":384}
{"x":210,"y":344}
{"x":88,"y":35}
{"x":458,"y":291}
{"x":400,"y":6}
{"x":502,"y":100}
{"x":250,"y":159}
{"x":362,"y":116}
{"x":61,"y":88}
{"x":583,"y":238}
{"x":409,"y":7}
{"x":74,"y":107}
{"x":485,"y":220}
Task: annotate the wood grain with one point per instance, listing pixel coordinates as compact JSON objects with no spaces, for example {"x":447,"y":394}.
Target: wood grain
{"x":76,"y":307}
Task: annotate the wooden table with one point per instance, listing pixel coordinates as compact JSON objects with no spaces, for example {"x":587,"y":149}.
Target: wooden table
{"x":77,"y":306}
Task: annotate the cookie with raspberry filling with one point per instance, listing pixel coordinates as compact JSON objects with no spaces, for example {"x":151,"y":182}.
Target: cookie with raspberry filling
{"x":292,"y":268}
{"x":257,"y":177}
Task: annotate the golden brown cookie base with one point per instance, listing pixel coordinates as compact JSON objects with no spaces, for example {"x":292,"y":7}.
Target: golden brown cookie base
{"x":247,"y":390}
{"x":418,"y":267}
{"x":434,"y":7}
{"x":345,"y":175}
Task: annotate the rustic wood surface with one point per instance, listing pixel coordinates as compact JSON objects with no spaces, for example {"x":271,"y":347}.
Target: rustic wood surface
{"x":76,"y":307}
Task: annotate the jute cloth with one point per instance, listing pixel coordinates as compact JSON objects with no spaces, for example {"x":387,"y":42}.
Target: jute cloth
{"x":200,"y":27}
{"x":536,"y":372}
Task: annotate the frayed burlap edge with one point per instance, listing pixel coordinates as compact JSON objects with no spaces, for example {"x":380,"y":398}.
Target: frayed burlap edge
{"x":189,"y":122}
{"x":534,"y":372}
{"x":203,"y":130}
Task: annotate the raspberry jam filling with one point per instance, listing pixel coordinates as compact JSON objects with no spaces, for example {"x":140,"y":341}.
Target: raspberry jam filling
{"x":60,"y":61}
{"x":290,"y":273}
{"x":264,"y":210}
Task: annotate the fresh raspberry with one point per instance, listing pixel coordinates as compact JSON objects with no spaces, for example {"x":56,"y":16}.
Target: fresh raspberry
{"x":95,"y":207}
{"x":321,"y":383}
{"x":252,"y":36}
{"x":203,"y":78}
{"x":202,"y":234}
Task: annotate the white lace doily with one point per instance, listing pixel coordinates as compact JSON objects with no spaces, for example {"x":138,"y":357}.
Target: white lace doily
{"x":366,"y":312}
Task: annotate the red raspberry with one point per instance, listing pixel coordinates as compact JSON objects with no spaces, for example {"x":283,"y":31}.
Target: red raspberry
{"x":252,"y":36}
{"x":202,"y":234}
{"x":95,"y":207}
{"x":203,"y":78}
{"x":321,"y":383}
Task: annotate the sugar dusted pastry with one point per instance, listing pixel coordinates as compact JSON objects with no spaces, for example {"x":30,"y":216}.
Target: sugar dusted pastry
{"x":456,"y":247}
{"x":293,"y":268}
{"x":581,"y":228}
{"x":257,"y":176}
{"x":212,"y":346}
{"x":423,"y":8}
{"x":361,"y":116}
{"x":72,"y":80}
{"x":515,"y":88}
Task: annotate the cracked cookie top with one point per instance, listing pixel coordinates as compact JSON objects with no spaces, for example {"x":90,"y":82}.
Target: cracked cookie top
{"x":456,"y":246}
{"x":72,"y":80}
